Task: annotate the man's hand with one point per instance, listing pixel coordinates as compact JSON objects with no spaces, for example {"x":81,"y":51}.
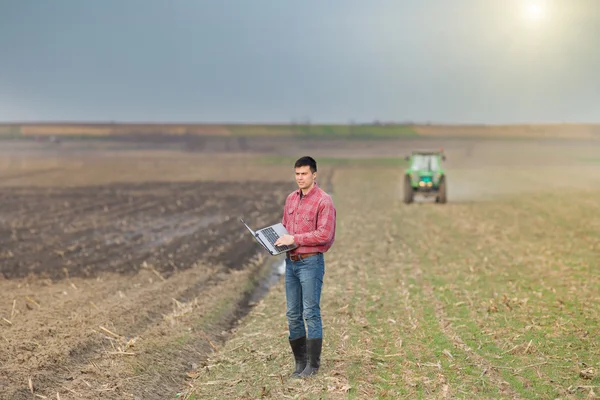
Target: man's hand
{"x":285,"y":240}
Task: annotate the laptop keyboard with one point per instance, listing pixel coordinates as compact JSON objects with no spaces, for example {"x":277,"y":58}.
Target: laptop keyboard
{"x":272,"y":237}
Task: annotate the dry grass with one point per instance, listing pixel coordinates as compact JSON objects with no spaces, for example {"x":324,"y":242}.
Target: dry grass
{"x":494,"y":299}
{"x":122,"y":360}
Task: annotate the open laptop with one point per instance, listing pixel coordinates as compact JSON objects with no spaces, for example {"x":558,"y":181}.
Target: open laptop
{"x":269,"y":235}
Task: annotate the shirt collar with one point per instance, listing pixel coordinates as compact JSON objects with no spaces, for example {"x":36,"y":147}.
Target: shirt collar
{"x":299,"y":191}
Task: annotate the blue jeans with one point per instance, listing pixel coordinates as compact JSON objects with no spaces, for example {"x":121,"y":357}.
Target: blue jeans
{"x":303,"y":283}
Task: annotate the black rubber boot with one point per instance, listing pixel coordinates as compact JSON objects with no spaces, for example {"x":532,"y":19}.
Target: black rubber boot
{"x":313,"y":347}
{"x":299,"y":350}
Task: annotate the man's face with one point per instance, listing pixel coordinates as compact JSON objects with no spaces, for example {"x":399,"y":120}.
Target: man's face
{"x":304,"y":177}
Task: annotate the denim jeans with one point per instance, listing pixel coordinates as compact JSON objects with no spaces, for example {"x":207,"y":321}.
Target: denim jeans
{"x":303,"y":283}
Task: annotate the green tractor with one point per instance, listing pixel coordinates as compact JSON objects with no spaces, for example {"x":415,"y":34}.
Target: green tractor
{"x":425,"y":176}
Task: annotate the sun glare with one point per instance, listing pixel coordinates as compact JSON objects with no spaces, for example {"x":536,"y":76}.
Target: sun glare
{"x":534,"y":10}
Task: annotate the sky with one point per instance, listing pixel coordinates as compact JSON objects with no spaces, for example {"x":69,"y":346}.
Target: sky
{"x":334,"y":61}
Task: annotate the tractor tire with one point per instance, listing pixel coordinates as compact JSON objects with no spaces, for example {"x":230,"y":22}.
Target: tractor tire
{"x":442,"y":194}
{"x":408,"y":190}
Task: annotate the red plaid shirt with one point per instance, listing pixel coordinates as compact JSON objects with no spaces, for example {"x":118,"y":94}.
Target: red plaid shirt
{"x":311,"y":220}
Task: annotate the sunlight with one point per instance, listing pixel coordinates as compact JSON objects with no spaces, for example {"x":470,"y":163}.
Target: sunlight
{"x":534,"y":10}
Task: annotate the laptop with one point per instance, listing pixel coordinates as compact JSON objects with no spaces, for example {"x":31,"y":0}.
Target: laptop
{"x":269,"y":235}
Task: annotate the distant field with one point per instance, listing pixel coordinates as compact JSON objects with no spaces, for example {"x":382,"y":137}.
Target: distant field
{"x":339,"y":161}
{"x":325,"y":130}
{"x":328,"y":131}
{"x":564,"y":131}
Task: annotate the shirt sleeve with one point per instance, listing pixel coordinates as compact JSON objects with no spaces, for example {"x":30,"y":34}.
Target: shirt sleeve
{"x":284,"y":218}
{"x":325,"y":227}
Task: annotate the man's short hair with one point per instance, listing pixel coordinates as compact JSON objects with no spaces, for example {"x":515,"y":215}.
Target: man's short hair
{"x":306,"y":160}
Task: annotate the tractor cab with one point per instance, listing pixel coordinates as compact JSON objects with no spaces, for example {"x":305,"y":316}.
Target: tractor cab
{"x":425,"y":175}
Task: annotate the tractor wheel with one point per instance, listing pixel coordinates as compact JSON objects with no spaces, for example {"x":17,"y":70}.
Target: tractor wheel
{"x":408,"y":190}
{"x":441,"y":197}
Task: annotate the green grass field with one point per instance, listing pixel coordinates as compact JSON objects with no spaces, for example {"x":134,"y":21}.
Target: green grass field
{"x":309,"y":131}
{"x":493,"y":299}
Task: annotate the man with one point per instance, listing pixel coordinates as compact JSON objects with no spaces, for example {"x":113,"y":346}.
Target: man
{"x":310,"y":217}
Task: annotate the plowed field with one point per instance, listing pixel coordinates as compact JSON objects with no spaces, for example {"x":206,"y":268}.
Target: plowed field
{"x":113,"y":282}
{"x":126,"y":274}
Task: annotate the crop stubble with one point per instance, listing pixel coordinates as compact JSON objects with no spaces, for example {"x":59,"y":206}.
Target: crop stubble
{"x":492,"y":296}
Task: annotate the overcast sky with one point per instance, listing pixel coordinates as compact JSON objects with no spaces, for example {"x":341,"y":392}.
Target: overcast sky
{"x":469,"y":61}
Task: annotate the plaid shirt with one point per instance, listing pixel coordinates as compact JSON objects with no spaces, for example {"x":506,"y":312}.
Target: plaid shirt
{"x":311,"y":220}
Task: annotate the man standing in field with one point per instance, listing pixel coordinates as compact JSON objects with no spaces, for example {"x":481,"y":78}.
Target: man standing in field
{"x":310,"y":217}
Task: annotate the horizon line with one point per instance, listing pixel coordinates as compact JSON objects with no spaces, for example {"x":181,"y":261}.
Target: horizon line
{"x":275,"y":123}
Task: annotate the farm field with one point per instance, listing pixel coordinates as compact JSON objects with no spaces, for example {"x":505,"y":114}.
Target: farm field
{"x":382,"y":129}
{"x":124,"y":271}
